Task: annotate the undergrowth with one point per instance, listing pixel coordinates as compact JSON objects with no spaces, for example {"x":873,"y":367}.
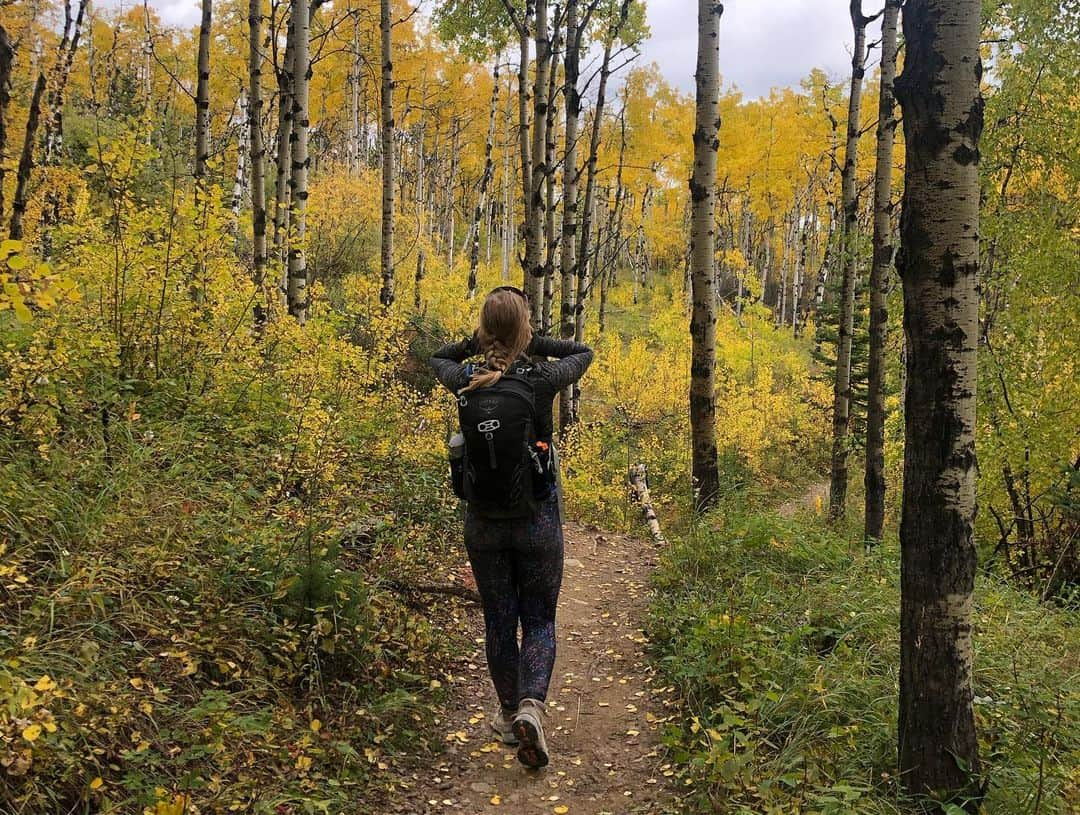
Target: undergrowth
{"x":782,"y":637}
{"x":204,"y":575}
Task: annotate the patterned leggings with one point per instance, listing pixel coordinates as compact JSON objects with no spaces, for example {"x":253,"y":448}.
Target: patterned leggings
{"x":518,"y":565}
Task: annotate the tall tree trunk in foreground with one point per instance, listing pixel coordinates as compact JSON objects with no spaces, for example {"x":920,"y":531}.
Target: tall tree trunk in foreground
{"x":879,"y":272}
{"x":702,"y":245}
{"x":255,"y":142}
{"x":485,"y":181}
{"x":850,"y":203}
{"x":939,"y":264}
{"x":534,"y":221}
{"x":202,"y":100}
{"x":26,"y":160}
{"x":7,"y":54}
{"x":296,"y":291}
{"x":386,"y":128}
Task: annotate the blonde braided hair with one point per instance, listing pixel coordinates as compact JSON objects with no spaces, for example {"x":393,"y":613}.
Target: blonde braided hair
{"x":503,"y":335}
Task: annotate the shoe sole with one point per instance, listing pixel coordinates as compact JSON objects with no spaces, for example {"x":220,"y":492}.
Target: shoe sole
{"x":529,"y":753}
{"x":506,"y":738}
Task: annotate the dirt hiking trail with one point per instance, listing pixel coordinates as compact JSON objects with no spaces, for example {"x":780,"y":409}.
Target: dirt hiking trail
{"x":606,"y":709}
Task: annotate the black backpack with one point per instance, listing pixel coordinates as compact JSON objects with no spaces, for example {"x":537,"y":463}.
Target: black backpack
{"x":498,"y":423}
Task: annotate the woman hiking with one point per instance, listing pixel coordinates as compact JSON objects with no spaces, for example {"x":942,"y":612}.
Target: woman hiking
{"x":513,"y":523}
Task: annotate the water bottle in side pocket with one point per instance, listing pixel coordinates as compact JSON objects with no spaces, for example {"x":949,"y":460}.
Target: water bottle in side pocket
{"x":457,"y":464}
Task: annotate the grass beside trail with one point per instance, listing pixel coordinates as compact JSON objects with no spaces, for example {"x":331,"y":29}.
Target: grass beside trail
{"x":187,"y":624}
{"x":783,"y":638}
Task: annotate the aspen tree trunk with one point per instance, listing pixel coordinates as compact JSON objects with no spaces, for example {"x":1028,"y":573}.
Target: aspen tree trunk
{"x":296,"y":292}
{"x":523,"y":128}
{"x":942,"y":108}
{"x":355,"y":81}
{"x":826,"y":260}
{"x":507,"y":228}
{"x":582,"y":267}
{"x":585,"y":240}
{"x":54,"y":130}
{"x":702,"y":246}
{"x":7,"y":55}
{"x":744,"y":246}
{"x":489,"y":229}
{"x":421,"y":261}
{"x":879,"y":271}
{"x":800,"y":281}
{"x":448,"y":206}
{"x":386,"y":131}
{"x":615,"y":219}
{"x":781,"y":292}
{"x":842,"y":382}
{"x":202,"y":100}
{"x":766,"y":258}
{"x":568,"y":247}
{"x":485,"y":180}
{"x":285,"y":76}
{"x":534,"y":234}
{"x":243,"y":145}
{"x":258,"y":149}
{"x":26,"y":161}
{"x":551,"y":240}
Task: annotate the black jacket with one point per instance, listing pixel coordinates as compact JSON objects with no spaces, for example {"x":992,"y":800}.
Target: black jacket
{"x":548,"y":376}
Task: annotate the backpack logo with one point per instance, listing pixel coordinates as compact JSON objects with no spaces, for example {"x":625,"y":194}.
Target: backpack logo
{"x":488,"y":405}
{"x":488,"y":426}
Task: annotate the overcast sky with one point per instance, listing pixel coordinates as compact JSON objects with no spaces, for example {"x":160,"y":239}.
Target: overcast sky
{"x":763,"y":43}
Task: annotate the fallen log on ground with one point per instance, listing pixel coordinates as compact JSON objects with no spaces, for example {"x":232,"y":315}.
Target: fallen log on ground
{"x":448,"y":589}
{"x":639,"y":486}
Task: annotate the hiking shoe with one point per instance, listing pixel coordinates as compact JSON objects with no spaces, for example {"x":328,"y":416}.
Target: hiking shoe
{"x":503,"y":725}
{"x":532,"y":746}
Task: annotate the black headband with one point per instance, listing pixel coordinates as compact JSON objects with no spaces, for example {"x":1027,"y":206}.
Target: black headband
{"x":514,"y":289}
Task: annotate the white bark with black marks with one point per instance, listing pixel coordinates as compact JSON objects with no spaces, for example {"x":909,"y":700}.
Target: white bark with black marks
{"x":386,"y":133}
{"x":7,"y":56}
{"x":879,"y":278}
{"x":939,"y":93}
{"x":257,"y":156}
{"x":202,"y":99}
{"x":534,"y":212}
{"x":705,"y":470}
{"x":485,"y":182}
{"x":845,"y":329}
{"x":296,"y":281}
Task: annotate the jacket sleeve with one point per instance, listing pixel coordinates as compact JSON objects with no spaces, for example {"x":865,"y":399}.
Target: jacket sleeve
{"x":446,"y":362}
{"x":542,"y":346}
{"x":573,"y":360}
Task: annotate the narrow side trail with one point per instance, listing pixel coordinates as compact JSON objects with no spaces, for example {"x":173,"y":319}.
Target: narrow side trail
{"x":605,"y":707}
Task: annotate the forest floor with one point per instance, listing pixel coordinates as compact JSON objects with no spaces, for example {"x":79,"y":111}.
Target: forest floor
{"x":606,"y":707}
{"x":815,"y":498}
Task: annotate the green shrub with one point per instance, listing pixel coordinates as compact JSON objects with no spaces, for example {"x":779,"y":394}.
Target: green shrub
{"x":782,"y":637}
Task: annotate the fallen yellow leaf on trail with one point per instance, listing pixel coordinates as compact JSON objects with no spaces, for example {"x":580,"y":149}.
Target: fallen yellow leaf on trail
{"x":561,"y":809}
{"x":316,"y":725}
{"x":495,"y":800}
{"x":31,"y":732}
{"x":44,"y":684}
{"x":96,"y":783}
